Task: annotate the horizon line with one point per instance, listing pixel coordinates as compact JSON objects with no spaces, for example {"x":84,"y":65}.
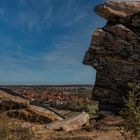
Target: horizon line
{"x":46,"y":85}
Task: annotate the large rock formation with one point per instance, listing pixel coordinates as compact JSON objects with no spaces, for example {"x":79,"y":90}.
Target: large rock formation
{"x":115,"y":53}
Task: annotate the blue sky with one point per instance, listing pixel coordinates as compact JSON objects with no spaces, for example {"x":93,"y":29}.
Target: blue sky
{"x":44,"y":41}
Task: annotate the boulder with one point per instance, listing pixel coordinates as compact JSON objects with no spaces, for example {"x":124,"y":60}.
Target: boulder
{"x":29,"y":116}
{"x":70,"y":124}
{"x":114,"y":52}
{"x":125,"y":12}
{"x":18,"y":106}
{"x":9,"y":100}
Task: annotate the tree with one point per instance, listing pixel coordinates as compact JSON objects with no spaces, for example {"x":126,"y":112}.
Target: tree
{"x":131,"y":111}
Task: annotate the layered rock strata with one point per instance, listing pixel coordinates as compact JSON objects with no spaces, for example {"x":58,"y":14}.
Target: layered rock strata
{"x":114,"y":52}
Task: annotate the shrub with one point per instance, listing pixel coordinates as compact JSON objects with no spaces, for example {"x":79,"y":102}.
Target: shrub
{"x":131,"y":111}
{"x":13,"y":131}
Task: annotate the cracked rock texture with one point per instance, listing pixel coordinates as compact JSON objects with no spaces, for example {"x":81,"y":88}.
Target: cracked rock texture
{"x":114,"y":52}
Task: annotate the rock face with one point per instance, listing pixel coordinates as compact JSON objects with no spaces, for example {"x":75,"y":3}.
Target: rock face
{"x":115,"y":53}
{"x":120,"y":12}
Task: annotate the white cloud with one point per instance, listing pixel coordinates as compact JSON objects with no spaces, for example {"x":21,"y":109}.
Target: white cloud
{"x":64,"y":60}
{"x":39,"y":15}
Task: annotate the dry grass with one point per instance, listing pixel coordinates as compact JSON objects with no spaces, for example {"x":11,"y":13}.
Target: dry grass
{"x":13,"y":130}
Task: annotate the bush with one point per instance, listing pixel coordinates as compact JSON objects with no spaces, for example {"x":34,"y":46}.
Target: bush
{"x":13,"y":131}
{"x":131,"y":111}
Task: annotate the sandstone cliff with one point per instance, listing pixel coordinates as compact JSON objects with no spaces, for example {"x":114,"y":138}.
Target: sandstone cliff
{"x":115,"y":53}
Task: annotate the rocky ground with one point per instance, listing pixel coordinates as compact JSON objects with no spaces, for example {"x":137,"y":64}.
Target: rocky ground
{"x":40,"y":132}
{"x":21,"y":119}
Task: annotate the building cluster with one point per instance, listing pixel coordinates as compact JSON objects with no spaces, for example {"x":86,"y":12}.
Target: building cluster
{"x":57,"y":98}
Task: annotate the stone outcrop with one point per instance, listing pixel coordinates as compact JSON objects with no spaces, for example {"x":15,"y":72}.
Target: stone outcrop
{"x":70,"y":124}
{"x":115,"y":53}
{"x":20,"y":107}
{"x":120,"y":12}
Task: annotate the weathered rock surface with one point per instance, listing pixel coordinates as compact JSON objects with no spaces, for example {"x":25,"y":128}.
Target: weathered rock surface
{"x":70,"y":124}
{"x":125,"y":12}
{"x":108,"y":122}
{"x":10,"y":101}
{"x":29,"y":116}
{"x":20,"y":107}
{"x":115,"y":53}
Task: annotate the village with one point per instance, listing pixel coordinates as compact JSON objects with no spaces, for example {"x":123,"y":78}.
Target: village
{"x":71,"y":98}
